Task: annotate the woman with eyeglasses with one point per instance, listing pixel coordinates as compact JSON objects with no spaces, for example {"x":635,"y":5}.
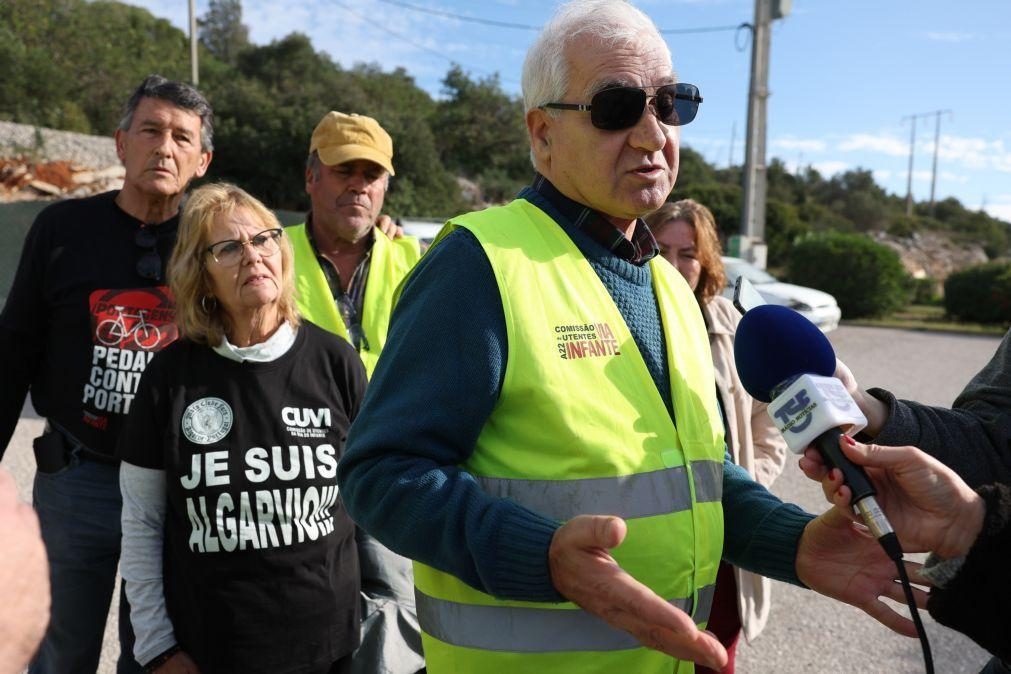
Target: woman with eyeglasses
{"x":686,"y":233}
{"x":238,"y":555}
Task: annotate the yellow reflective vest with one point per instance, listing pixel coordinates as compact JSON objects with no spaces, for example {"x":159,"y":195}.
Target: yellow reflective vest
{"x":391,"y":262}
{"x":580,"y":428}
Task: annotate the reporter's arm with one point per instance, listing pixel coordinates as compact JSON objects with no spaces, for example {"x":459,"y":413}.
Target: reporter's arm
{"x":977,"y":601}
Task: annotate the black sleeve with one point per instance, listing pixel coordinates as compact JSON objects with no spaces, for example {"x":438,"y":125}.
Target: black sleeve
{"x":22,"y":326}
{"x":141,"y":441}
{"x":977,"y":602}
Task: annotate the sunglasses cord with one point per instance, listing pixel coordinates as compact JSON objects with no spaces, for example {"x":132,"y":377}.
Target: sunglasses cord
{"x":890,"y":542}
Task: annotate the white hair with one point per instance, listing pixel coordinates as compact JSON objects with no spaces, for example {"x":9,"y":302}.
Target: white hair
{"x":612,"y":22}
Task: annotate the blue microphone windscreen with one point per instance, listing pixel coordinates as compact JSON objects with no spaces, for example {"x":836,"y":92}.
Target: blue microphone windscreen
{"x":773,"y":344}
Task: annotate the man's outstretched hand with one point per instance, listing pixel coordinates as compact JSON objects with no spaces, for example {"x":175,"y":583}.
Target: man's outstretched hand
{"x":839,"y":560}
{"x":585,"y":573}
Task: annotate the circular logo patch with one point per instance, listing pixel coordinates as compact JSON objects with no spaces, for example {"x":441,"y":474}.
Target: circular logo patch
{"x":207,"y":420}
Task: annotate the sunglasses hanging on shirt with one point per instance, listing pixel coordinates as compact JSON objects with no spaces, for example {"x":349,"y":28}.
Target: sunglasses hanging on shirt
{"x":617,"y":108}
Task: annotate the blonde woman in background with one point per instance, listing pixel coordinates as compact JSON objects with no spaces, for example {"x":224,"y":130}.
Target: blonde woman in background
{"x":686,"y":233}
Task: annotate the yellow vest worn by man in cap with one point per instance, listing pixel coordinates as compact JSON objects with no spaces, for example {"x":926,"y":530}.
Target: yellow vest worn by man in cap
{"x":391,"y":261}
{"x":580,"y":428}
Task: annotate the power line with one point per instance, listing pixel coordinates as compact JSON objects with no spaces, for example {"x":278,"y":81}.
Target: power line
{"x":706,"y":29}
{"x":461,"y":17}
{"x":406,"y":39}
{"x":524,"y":26}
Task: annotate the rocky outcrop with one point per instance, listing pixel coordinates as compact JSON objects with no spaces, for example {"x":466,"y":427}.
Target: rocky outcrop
{"x":37,"y":163}
{"x":46,"y":145}
{"x":933,"y":254}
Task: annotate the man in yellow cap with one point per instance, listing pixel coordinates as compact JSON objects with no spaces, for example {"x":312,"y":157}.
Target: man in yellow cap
{"x":347,"y":268}
{"x":346,"y":274}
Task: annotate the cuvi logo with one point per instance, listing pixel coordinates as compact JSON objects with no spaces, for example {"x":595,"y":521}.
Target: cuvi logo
{"x":788,"y":413}
{"x":303,"y":417}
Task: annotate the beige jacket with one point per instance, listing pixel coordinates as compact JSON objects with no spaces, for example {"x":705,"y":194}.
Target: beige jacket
{"x":755,"y":445}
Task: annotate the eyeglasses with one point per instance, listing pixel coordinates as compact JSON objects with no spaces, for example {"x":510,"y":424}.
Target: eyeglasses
{"x":228,"y":253}
{"x":149,"y":264}
{"x":619,"y":108}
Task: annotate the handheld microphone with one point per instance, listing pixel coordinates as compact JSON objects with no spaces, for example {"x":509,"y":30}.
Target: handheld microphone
{"x":785,"y":360}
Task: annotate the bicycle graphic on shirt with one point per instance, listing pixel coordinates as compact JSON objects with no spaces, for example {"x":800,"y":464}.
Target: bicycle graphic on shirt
{"x":114,"y":331}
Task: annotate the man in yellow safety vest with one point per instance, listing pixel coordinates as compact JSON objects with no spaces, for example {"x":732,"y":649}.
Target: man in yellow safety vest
{"x":346,"y":272}
{"x":543,"y":436}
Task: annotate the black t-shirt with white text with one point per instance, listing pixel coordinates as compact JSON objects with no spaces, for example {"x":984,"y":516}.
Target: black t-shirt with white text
{"x":81,"y":322}
{"x":261,"y":571}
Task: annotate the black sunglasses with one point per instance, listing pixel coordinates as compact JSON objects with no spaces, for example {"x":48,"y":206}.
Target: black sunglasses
{"x":149,"y":264}
{"x":353,"y":323}
{"x":619,"y":108}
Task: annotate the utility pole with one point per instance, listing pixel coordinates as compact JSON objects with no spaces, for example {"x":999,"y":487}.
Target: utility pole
{"x":909,"y":175}
{"x":912,"y":143}
{"x":194,"y":66}
{"x":750,"y":243}
{"x":937,"y":145}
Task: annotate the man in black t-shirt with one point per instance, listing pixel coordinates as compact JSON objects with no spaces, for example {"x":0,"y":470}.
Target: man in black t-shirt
{"x":88,"y":309}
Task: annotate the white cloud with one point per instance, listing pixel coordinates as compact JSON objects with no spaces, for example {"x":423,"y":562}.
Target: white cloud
{"x":949,"y":36}
{"x":881,"y":143}
{"x":801,"y":144}
{"x":830,"y":168}
{"x":1000,"y":210}
{"x":881,"y":175}
{"x":977,"y":154}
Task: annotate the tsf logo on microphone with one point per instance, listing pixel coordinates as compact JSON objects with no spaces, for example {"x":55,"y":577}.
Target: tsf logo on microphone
{"x":812,"y":405}
{"x":794,"y":415}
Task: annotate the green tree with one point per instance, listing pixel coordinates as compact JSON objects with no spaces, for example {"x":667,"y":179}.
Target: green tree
{"x":480,"y":133}
{"x":222,"y":30}
{"x":69,"y":63}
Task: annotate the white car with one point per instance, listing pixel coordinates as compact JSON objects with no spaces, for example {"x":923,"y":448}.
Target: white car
{"x":818,"y":307}
{"x":424,"y":230}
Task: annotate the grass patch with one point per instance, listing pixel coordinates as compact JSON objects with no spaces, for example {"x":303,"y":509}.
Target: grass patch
{"x":930,"y":318}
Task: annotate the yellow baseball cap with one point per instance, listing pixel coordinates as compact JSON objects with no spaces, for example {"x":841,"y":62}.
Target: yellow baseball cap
{"x":340,"y":138}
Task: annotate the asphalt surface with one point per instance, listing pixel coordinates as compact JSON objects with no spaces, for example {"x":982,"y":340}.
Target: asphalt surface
{"x":806,"y":632}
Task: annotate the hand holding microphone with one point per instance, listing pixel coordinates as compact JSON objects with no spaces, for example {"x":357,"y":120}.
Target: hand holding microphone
{"x":785,"y":360}
{"x":932,"y":509}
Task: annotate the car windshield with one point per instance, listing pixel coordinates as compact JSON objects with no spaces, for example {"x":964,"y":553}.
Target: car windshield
{"x":753,"y":274}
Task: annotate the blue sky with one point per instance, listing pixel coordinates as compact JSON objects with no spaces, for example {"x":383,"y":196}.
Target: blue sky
{"x":843,"y":74}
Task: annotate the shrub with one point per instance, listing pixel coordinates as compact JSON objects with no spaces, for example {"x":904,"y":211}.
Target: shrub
{"x":981,"y":293}
{"x":924,"y":290}
{"x":865,"y":277}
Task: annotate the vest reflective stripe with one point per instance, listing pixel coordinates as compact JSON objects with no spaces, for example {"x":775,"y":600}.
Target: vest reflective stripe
{"x":708,"y":478}
{"x":390,"y":263}
{"x":539,"y":630}
{"x":629,"y":496}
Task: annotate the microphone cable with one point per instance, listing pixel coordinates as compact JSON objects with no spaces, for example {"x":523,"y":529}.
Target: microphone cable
{"x":890,"y":543}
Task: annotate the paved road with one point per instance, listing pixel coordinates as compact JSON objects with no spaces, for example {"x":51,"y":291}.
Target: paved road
{"x":806,"y":633}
